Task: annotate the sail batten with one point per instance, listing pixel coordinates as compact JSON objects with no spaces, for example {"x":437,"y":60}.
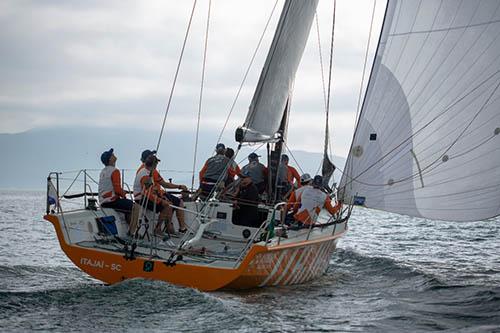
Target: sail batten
{"x":278,"y":74}
{"x":426,"y":143}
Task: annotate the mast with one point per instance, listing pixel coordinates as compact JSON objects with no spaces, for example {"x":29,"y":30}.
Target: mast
{"x":275,"y":155}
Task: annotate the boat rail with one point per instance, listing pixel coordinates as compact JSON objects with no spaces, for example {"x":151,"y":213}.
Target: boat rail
{"x":88,"y":178}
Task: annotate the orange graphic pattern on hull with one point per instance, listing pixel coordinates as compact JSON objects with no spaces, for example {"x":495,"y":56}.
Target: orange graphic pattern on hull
{"x":287,"y":266}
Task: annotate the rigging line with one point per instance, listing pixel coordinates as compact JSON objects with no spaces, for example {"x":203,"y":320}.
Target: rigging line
{"x":364,"y":65}
{"x":330,"y":77}
{"x":438,"y":67}
{"x":291,"y":154}
{"x":444,"y":134}
{"x":321,"y":62}
{"x":473,"y":148}
{"x":467,"y":194}
{"x":244,"y":158}
{"x":74,"y":180}
{"x":390,"y":99}
{"x":349,"y":163}
{"x":201,"y":94}
{"x":329,"y":92}
{"x":319,"y":168}
{"x":444,"y":29}
{"x":219,"y":180}
{"x":270,"y":56}
{"x":422,"y":128}
{"x":429,"y":135}
{"x":399,"y":56}
{"x":454,"y":66}
{"x":247,"y":71}
{"x":468,"y":191}
{"x":176,"y":75}
{"x":75,"y":171}
{"x":327,"y":144}
{"x":468,"y":125}
{"x":463,"y":165}
{"x":409,"y":70}
{"x":426,"y":169}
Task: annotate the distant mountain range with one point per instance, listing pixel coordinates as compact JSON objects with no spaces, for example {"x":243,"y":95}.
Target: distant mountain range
{"x":28,"y":157}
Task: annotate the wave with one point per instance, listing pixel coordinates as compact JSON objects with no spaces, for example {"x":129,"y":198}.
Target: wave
{"x":358,"y":266}
{"x":134,"y":304}
{"x":389,"y":292}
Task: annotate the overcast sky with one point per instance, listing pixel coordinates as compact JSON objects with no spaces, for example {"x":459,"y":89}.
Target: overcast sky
{"x":111,"y":64}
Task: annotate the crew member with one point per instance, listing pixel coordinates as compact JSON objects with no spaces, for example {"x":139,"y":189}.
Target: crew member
{"x":293,"y":200}
{"x":152,"y":195}
{"x":286,"y":176}
{"x":257,"y":171}
{"x":233,"y":169}
{"x":111,"y":193}
{"x":246,"y":205}
{"x":214,"y":169}
{"x":174,"y":200}
{"x":311,"y":201}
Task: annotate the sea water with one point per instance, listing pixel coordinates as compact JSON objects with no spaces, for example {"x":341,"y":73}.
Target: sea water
{"x":390,"y":273}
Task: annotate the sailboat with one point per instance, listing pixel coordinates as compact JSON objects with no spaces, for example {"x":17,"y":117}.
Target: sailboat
{"x":426,"y":144}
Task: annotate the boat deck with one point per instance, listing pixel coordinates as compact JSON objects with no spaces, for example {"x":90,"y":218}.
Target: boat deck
{"x":209,"y":251}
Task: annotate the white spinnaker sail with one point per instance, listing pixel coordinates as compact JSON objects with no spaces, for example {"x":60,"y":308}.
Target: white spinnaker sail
{"x":276,"y":80}
{"x":428,"y":137}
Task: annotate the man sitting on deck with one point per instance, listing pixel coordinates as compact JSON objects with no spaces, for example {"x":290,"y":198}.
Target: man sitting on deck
{"x":293,"y":201}
{"x":111,"y":193}
{"x":151,"y":194}
{"x":176,"y":202}
{"x":213,"y":170}
{"x":311,"y":201}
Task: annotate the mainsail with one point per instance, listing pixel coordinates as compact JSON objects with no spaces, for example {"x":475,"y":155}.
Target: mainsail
{"x":277,"y":77}
{"x":427,"y":141}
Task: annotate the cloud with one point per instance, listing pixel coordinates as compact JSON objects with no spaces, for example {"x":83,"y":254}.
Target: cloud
{"x":112,"y":64}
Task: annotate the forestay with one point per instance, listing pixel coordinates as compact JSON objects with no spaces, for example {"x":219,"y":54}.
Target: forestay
{"x":277,"y":77}
{"x":428,"y":139}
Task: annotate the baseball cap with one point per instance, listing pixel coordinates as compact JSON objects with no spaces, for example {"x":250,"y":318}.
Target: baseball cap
{"x":106,"y":156}
{"x":284,"y":157}
{"x":146,"y":153}
{"x":305,"y":178}
{"x":317,"y":181}
{"x":151,"y":159}
{"x":253,"y":156}
{"x":220,"y":146}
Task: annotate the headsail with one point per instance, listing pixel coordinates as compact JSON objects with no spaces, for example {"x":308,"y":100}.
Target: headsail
{"x":428,"y":137}
{"x":277,"y":77}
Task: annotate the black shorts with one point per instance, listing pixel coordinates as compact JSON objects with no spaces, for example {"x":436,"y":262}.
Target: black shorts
{"x":207,"y":185}
{"x":122,"y":205}
{"x":176,"y":201}
{"x":150,"y":205}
